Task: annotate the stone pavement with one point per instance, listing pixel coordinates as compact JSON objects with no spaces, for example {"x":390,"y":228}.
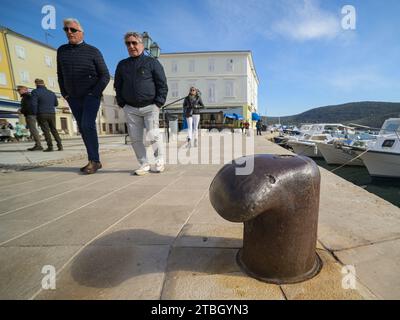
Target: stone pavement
{"x":113,"y":235}
{"x":15,"y":155}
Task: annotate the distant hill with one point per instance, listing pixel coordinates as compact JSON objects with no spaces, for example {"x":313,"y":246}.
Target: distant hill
{"x":367,"y":113}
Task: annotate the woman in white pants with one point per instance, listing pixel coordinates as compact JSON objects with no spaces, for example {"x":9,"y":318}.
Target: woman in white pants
{"x":191,"y":108}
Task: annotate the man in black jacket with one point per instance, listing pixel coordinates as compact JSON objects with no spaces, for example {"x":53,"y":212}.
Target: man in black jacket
{"x":141,"y":89}
{"x":44,"y":102}
{"x":30,"y":118}
{"x":82,"y":76}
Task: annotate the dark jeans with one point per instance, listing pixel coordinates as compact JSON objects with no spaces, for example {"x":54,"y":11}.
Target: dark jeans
{"x":85,"y":112}
{"x":31,"y":125}
{"x":47,"y":122}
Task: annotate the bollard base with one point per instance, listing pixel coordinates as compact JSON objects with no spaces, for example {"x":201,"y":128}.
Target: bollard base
{"x":300,"y":278}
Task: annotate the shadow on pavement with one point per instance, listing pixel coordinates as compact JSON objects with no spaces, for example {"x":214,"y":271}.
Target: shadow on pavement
{"x":115,"y":258}
{"x":76,"y":169}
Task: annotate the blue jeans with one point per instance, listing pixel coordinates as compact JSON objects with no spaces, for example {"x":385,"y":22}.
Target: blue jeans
{"x":85,"y":112}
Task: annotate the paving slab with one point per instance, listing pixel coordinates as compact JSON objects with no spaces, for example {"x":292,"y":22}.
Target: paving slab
{"x":31,"y":217}
{"x":112,"y":272}
{"x":81,"y":225}
{"x":327,"y":285}
{"x":376,"y":266}
{"x":21,"y":268}
{"x":209,"y":235}
{"x":351,"y":217}
{"x":211,"y":273}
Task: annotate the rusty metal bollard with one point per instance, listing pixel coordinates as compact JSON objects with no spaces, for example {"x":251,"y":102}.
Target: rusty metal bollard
{"x":278,"y":203}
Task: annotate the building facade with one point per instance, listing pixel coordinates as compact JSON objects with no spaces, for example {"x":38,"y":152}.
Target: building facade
{"x":227,"y":80}
{"x":22,"y":61}
{"x":6,"y":81}
{"x":111,"y":118}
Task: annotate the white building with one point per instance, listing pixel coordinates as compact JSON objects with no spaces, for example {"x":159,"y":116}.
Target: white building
{"x":227,"y":80}
{"x":111,"y":118}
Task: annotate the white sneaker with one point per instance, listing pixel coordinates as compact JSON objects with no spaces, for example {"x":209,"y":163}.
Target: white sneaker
{"x":158,"y":166}
{"x":144,"y":169}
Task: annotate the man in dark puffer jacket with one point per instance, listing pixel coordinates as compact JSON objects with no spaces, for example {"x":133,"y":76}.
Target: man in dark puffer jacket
{"x":82,"y":76}
{"x":141,"y":89}
{"x":44,"y":102}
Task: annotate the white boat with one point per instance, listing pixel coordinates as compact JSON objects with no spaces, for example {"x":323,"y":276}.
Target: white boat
{"x":306,"y":143}
{"x":383,"y":156}
{"x":309,"y":147}
{"x":337,"y":153}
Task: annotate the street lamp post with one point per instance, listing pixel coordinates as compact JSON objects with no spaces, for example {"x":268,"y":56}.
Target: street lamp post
{"x":153,"y":50}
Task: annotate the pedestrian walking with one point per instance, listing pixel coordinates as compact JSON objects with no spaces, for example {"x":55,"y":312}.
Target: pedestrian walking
{"x":141,"y":90}
{"x":247,"y":127}
{"x":30,"y":117}
{"x":44,"y":102}
{"x":82,"y":76}
{"x":191,"y":109}
{"x":259,"y":127}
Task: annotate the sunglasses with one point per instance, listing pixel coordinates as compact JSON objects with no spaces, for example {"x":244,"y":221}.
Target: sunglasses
{"x":134,"y":43}
{"x":72,"y":30}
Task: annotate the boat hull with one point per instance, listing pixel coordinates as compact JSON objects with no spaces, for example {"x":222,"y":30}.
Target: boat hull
{"x":382,"y":164}
{"x":305,"y":149}
{"x":333,"y":155}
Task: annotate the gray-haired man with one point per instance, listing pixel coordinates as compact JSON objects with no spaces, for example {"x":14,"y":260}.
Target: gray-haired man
{"x":82,"y":76}
{"x":141,"y":89}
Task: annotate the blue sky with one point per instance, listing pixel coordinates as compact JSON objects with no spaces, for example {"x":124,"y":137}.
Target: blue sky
{"x":304,"y":58}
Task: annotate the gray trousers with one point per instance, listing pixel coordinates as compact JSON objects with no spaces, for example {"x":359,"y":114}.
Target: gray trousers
{"x":139,"y":119}
{"x":31,"y":124}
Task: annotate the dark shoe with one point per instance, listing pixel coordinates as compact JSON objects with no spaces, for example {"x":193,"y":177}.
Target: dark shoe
{"x":60,"y":148}
{"x":48,"y":150}
{"x":35,"y":148}
{"x":92,"y":167}
{"x":83,"y":168}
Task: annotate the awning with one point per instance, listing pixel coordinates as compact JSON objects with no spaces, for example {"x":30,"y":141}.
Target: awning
{"x":8,"y":116}
{"x":229,"y":116}
{"x":238,"y":116}
{"x":255,"y":116}
{"x":2,"y":112}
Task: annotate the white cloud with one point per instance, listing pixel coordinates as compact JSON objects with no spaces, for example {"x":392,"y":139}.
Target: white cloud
{"x":300,"y":20}
{"x":308,"y":21}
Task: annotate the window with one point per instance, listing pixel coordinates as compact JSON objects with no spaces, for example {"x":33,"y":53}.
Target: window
{"x":24,"y":76}
{"x":52,"y":82}
{"x":110,"y":128}
{"x":191,"y":65}
{"x":211,"y":92}
{"x":117,"y":127}
{"x":116,"y":116}
{"x":388,"y":143}
{"x":48,"y":61}
{"x":211,"y":65}
{"x":20,"y":51}
{"x":3,"y":80}
{"x":103,"y":127}
{"x":174,"y":90}
{"x":229,"y":88}
{"x":174,"y":67}
{"x":64,"y":124}
{"x":229,"y":65}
